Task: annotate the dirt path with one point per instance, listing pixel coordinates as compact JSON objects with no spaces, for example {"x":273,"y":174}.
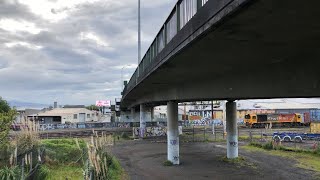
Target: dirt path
{"x":143,"y":160}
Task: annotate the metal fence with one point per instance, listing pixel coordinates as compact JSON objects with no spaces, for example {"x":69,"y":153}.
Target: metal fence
{"x":44,"y":127}
{"x":182,"y":13}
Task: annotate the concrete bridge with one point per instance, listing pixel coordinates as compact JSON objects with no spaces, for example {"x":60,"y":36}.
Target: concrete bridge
{"x":227,"y":50}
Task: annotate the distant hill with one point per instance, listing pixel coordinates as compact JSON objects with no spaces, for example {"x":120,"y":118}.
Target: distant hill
{"x":26,"y":105}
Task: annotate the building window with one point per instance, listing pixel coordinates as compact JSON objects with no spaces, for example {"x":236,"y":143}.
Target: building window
{"x":75,"y":116}
{"x":88,"y":115}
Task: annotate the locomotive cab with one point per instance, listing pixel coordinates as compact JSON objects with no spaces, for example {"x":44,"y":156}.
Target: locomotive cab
{"x":299,"y":118}
{"x":250,"y":119}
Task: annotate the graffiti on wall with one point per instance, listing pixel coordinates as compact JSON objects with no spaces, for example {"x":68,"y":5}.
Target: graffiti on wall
{"x":201,"y":122}
{"x":44,"y":127}
{"x":124,"y":125}
{"x":150,"y":131}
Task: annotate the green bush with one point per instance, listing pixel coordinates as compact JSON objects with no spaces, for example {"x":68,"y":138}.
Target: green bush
{"x":42,"y":172}
{"x":167,"y":163}
{"x":115,"y":170}
{"x":5,"y":153}
{"x":268,"y":146}
{"x":7,"y":173}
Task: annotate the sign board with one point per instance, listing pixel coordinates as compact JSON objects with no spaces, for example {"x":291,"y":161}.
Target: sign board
{"x":103,"y":103}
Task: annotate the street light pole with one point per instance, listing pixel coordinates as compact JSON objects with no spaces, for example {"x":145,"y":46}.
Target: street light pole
{"x":122,"y":85}
{"x":139,"y":37}
{"x":122,"y":78}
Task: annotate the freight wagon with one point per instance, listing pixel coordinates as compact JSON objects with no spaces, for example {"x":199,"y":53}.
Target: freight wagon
{"x":282,"y":120}
{"x":296,"y":137}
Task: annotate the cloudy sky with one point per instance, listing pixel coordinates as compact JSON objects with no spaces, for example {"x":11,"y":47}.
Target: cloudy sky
{"x":72,"y":51}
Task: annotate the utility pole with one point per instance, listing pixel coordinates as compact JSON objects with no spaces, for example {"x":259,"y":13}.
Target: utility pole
{"x":185,"y":112}
{"x":212,"y":110}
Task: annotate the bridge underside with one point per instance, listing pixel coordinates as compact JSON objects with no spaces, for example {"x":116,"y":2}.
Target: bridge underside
{"x":266,"y":49}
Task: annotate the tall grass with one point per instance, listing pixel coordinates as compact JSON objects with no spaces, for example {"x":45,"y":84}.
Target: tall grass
{"x":64,"y":151}
{"x":101,"y":164}
{"x":10,"y":173}
{"x":24,"y":152}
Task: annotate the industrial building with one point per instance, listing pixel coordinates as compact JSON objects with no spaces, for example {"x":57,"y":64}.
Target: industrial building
{"x":23,"y":113}
{"x":65,"y":116}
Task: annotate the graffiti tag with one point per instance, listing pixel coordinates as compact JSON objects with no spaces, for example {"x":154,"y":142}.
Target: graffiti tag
{"x":234,"y":144}
{"x":176,"y":158}
{"x":174,"y":142}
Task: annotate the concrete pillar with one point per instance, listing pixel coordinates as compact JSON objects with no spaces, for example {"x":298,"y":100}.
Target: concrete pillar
{"x":224,"y":112}
{"x":143,"y":113}
{"x":232,"y":130}
{"x":133,"y":114}
{"x":152,"y":114}
{"x":173,"y":132}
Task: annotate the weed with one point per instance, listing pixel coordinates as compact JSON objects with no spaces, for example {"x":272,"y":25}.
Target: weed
{"x":115,"y":170}
{"x":124,"y":135}
{"x":167,"y":163}
{"x":268,"y":146}
{"x":42,"y":173}
{"x":63,"y":151}
{"x":254,"y":144}
{"x":239,"y":159}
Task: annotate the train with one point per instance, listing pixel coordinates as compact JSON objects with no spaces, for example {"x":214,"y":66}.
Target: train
{"x":295,"y":137}
{"x":278,"y":120}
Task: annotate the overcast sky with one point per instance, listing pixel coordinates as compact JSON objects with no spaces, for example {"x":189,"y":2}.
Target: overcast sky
{"x":72,"y":51}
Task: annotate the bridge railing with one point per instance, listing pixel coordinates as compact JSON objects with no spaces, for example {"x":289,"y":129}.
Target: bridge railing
{"x":181,"y":14}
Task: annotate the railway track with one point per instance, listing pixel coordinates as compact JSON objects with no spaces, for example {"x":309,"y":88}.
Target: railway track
{"x":77,"y":133}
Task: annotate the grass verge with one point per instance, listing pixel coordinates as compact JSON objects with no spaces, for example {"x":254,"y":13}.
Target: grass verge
{"x":305,"y":159}
{"x":115,"y":171}
{"x":57,"y":172}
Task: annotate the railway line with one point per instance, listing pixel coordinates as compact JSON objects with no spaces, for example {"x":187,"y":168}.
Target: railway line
{"x":83,"y":133}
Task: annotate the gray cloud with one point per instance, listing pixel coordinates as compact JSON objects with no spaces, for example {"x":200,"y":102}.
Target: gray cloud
{"x":75,"y":60}
{"x":12,"y":9}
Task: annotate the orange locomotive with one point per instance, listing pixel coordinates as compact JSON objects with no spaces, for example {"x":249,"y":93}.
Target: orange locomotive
{"x":286,"y":120}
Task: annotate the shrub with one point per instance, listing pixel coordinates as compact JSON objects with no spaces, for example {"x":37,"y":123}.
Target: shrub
{"x":42,"y":172}
{"x":10,"y":173}
{"x":268,"y":146}
{"x":167,"y":163}
{"x":115,"y":170}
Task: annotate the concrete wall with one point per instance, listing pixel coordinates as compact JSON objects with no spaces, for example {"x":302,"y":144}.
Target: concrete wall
{"x":126,"y":116}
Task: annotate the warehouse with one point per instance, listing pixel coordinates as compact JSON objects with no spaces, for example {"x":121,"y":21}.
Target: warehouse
{"x":65,"y":116}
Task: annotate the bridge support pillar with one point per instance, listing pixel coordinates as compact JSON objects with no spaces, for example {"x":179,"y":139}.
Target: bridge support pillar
{"x":133,"y":114}
{"x":143,"y":116}
{"x":232,"y":130}
{"x":173,"y":132}
{"x":152,"y":114}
